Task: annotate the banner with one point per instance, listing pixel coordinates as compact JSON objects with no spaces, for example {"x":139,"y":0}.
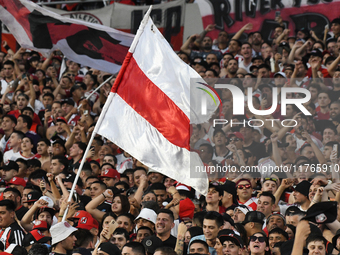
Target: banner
{"x":168,"y":17}
{"x":93,"y":45}
{"x":231,"y":16}
{"x":100,"y":16}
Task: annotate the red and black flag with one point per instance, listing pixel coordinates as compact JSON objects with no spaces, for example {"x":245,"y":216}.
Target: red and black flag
{"x":93,"y":45}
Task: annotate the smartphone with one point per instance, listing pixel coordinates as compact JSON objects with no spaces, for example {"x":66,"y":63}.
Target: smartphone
{"x":264,"y":96}
{"x":277,"y":14}
{"x":49,"y":107}
{"x":112,"y":227}
{"x":335,"y":147}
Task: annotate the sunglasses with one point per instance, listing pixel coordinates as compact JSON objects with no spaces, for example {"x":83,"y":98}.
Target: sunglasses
{"x":270,"y":179}
{"x":261,"y":239}
{"x":247,"y":186}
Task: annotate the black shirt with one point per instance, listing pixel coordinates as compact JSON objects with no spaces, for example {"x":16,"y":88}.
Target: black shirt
{"x":21,"y":212}
{"x":170,"y":242}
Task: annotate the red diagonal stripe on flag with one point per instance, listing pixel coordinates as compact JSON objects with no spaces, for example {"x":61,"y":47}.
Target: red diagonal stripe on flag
{"x":137,"y":90}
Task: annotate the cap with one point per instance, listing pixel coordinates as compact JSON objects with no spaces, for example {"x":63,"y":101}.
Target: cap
{"x":11,"y":165}
{"x":232,"y":237}
{"x":186,"y":209}
{"x":335,"y":238}
{"x":71,"y":177}
{"x":181,"y":186}
{"x":33,"y":196}
{"x":18,"y":181}
{"x":109,"y":248}
{"x":243,"y":179}
{"x":147,"y":214}
{"x":303,"y":188}
{"x":61,"y":231}
{"x":230,"y":188}
{"x":280,"y":73}
{"x":227,"y":217}
{"x":35,"y":236}
{"x":68,"y":101}
{"x":110,"y":173}
{"x":316,"y":53}
{"x":244,"y":209}
{"x":88,"y":223}
{"x":60,"y":142}
{"x":277,"y":214}
{"x":254,"y":216}
{"x":61,"y":119}
{"x":304,"y":30}
{"x":80,"y":214}
{"x":237,"y":134}
{"x":44,"y":209}
{"x":151,"y":243}
{"x":322,"y":212}
{"x":41,"y":225}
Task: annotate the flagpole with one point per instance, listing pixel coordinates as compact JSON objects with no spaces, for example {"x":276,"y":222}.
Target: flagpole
{"x":107,"y":80}
{"x":106,"y":106}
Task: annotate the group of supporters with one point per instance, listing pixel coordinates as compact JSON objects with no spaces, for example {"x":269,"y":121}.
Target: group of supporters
{"x":121,"y":206}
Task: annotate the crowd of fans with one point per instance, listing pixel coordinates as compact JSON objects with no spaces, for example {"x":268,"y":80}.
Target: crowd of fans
{"x":120,"y":206}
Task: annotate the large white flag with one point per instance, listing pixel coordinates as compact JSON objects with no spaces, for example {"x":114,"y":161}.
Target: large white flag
{"x":149,"y":108}
{"x":93,"y":45}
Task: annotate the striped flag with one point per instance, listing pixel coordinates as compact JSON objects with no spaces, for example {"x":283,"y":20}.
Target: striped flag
{"x":93,"y":45}
{"x":150,"y":106}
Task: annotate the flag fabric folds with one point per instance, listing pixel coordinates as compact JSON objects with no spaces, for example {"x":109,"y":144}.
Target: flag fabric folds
{"x":93,"y":45}
{"x":149,"y":108}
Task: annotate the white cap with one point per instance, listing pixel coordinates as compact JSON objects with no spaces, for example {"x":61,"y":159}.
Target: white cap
{"x":281,"y":73}
{"x":61,"y":231}
{"x":147,"y":214}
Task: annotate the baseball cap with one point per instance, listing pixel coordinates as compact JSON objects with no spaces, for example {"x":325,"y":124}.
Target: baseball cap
{"x":11,"y":165}
{"x":35,"y":236}
{"x":147,"y":214}
{"x":61,"y":231}
{"x":80,"y":214}
{"x":33,"y":196}
{"x":45,"y":209}
{"x":61,"y":119}
{"x":280,"y":73}
{"x":237,"y":134}
{"x":254,"y":216}
{"x":227,"y":217}
{"x":41,"y":225}
{"x":316,"y":53}
{"x":110,"y":173}
{"x":88,"y":223}
{"x":151,"y":243}
{"x":230,"y":188}
{"x":232,"y":237}
{"x":186,"y":209}
{"x":335,"y":238}
{"x":18,"y":181}
{"x":109,"y":248}
{"x":68,"y":101}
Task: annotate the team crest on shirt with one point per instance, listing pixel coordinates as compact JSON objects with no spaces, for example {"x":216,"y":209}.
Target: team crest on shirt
{"x":320,"y":218}
{"x":83,"y":220}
